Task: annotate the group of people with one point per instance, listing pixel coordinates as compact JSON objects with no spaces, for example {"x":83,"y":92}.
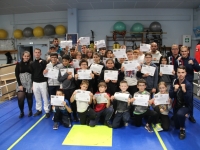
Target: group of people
{"x":113,"y":111}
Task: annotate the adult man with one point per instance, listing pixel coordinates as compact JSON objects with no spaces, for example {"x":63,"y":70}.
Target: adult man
{"x":155,"y":54}
{"x":40,"y":88}
{"x":181,"y":91}
{"x":191,"y":64}
{"x":56,"y":44}
{"x":175,"y":54}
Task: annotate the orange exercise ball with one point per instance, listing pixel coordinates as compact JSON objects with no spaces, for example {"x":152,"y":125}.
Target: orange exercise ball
{"x":38,"y":32}
{"x":18,"y":34}
{"x":3,"y":34}
{"x":60,"y":30}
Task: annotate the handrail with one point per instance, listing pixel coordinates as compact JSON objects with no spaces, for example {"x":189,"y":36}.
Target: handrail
{"x":6,"y":74}
{"x":8,"y":84}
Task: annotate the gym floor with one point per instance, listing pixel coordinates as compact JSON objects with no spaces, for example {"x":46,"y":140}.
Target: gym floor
{"x":31,"y":133}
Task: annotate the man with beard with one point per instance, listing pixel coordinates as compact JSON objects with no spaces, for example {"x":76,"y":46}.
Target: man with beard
{"x":155,"y":53}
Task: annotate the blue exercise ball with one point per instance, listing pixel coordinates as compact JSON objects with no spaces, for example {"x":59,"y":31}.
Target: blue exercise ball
{"x":119,"y":26}
{"x":137,"y":27}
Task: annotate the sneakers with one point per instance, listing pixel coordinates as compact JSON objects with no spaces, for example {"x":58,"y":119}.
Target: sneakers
{"x":148,"y":128}
{"x":37,"y":113}
{"x":125,"y":124}
{"x":191,"y":118}
{"x":47,"y":115}
{"x":108,"y":124}
{"x":21,"y":115}
{"x":158,"y":127}
{"x":182,"y":134}
{"x":30,"y":113}
{"x":55,"y":126}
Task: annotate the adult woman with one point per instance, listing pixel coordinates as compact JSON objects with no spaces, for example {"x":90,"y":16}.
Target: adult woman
{"x":24,"y":83}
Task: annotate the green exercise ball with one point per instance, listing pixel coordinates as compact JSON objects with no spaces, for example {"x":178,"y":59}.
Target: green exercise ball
{"x":119,"y":26}
{"x":137,"y":27}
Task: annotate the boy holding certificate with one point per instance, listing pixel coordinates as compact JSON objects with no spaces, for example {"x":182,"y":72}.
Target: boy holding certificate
{"x":83,"y":100}
{"x":123,"y":102}
{"x":141,"y":102}
{"x":151,"y":79}
{"x":78,"y":78}
{"x":62,"y":113}
{"x":101,"y":101}
{"x":66,"y":78}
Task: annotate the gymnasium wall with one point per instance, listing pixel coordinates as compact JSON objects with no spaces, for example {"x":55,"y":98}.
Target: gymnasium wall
{"x":175,"y":22}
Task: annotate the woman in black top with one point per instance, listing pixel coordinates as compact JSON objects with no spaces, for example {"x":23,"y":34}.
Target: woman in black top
{"x":24,"y":83}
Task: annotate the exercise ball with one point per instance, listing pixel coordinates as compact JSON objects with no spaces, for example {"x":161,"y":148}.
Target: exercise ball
{"x":155,"y":27}
{"x":60,"y":30}
{"x":49,"y":30}
{"x":18,"y":34}
{"x":3,"y":34}
{"x":28,"y":32}
{"x":137,"y":27}
{"x":119,"y":26}
{"x":38,"y":32}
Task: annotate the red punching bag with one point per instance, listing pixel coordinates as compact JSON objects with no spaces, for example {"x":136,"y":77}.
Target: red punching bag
{"x":197,"y":53}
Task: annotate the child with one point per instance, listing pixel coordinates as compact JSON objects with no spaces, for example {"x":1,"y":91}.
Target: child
{"x":84,"y":65}
{"x":122,"y":111}
{"x":96,"y":58}
{"x":68,"y":84}
{"x":53,"y":84}
{"x":89,"y":57}
{"x":102,"y":52}
{"x":144,"y":111}
{"x":109,"y":54}
{"x":111,"y":84}
{"x":62,"y":112}
{"x":103,"y":109}
{"x":162,"y":110}
{"x":164,"y":77}
{"x":84,"y":111}
{"x":151,"y":81}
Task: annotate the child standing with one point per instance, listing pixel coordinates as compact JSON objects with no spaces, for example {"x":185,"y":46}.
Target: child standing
{"x":144,"y":111}
{"x":68,"y":84}
{"x":163,"y":109}
{"x":84,"y":111}
{"x":122,"y":110}
{"x":62,"y":113}
{"x":102,"y":109}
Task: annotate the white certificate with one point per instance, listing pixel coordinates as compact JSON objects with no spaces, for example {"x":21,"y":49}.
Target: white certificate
{"x":145,"y":47}
{"x":90,"y":61}
{"x":57,"y":100}
{"x":105,"y":59}
{"x":148,"y":69}
{"x":155,"y":59}
{"x":84,"y":40}
{"x":161,"y":99}
{"x":76,"y":63}
{"x":84,"y":74}
{"x":100,"y":98}
{"x":141,"y":100}
{"x":166,"y":69}
{"x":119,"y":53}
{"x":121,"y":96}
{"x":110,"y":74}
{"x":63,"y":71}
{"x":100,"y":43}
{"x":131,"y":65}
{"x":82,"y":95}
{"x":52,"y":74}
{"x":96,"y":68}
{"x":63,"y":44}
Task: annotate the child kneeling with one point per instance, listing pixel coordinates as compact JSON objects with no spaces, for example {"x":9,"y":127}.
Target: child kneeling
{"x":62,"y":113}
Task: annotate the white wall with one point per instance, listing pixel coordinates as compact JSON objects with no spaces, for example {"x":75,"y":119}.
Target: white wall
{"x":176,"y":22}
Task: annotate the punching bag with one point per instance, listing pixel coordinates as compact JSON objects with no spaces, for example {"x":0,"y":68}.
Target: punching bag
{"x":197,"y":53}
{"x":9,"y":58}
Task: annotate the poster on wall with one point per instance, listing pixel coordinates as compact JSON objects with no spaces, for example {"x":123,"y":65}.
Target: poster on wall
{"x":72,"y":37}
